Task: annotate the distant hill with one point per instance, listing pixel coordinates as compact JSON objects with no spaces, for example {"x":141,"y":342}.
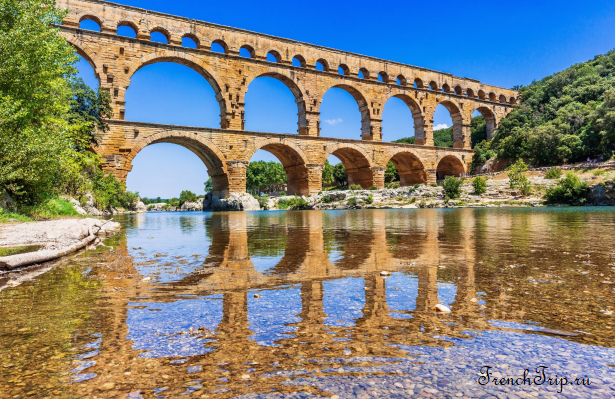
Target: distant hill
{"x":566,"y":117}
{"x":444,"y":137}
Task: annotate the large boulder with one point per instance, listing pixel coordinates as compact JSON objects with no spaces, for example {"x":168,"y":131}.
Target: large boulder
{"x":192,"y":206}
{"x":77,"y":206}
{"x":6,"y":202}
{"x":139,"y":206}
{"x":602,"y":194}
{"x":234,"y":202}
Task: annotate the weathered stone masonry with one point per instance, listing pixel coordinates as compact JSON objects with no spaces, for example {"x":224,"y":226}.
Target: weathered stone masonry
{"x":227,"y":151}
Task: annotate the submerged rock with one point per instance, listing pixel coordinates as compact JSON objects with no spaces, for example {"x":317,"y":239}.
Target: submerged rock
{"x":441,"y":308}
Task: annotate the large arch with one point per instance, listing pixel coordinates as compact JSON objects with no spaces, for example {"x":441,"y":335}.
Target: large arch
{"x":209,"y":153}
{"x":212,"y":78}
{"x":457,"y":117}
{"x":417,"y":116}
{"x":88,"y":54}
{"x":357,"y":163}
{"x":410,"y":167}
{"x":303,"y":123}
{"x":361,"y":102}
{"x":449,"y":165}
{"x":490,"y":120}
{"x":293,"y":160}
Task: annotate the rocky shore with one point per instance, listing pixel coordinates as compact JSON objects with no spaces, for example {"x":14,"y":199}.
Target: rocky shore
{"x":89,"y":208}
{"x":39,"y":242}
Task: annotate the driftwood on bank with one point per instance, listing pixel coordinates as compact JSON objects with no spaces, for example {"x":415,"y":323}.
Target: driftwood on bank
{"x":61,"y":238}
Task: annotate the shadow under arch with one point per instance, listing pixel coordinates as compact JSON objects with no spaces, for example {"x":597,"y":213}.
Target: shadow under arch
{"x":361,"y":102}
{"x":293,"y":160}
{"x":457,"y":117}
{"x":297,"y":90}
{"x":211,"y":77}
{"x":410,"y":168}
{"x":449,"y":165}
{"x":207,"y":152}
{"x":357,"y":164}
{"x":489,"y":120}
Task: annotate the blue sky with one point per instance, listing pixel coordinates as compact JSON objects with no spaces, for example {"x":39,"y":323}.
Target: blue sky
{"x":499,"y":43}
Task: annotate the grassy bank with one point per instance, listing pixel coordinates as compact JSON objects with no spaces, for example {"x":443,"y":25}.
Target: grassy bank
{"x":50,"y":208}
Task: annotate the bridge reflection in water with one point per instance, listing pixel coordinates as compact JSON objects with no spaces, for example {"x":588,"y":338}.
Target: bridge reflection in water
{"x":281,"y":297}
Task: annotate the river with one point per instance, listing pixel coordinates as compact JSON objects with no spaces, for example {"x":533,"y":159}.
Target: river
{"x":292,"y":304}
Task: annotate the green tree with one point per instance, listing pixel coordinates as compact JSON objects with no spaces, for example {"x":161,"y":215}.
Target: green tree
{"x":390,"y":174}
{"x":187,"y":195}
{"x":480,"y":185}
{"x":452,"y":185}
{"x":262,"y":175}
{"x":327,"y":174}
{"x":339,"y":174}
{"x":209,"y":185}
{"x":516,"y":173}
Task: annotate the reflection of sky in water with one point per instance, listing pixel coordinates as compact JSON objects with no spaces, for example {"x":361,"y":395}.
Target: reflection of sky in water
{"x":148,"y":327}
{"x":343,"y":301}
{"x":446,"y":293}
{"x":269,"y":315}
{"x":158,"y":233}
{"x":264,"y":263}
{"x":335,"y":255}
{"x":404,"y":297}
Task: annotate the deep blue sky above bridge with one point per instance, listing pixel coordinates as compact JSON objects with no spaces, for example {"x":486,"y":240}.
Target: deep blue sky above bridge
{"x":498,"y":42}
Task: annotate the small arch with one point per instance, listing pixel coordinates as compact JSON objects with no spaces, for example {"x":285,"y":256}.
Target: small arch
{"x":470,"y":93}
{"x":343,"y":70}
{"x":418,"y":83}
{"x":90,"y":22}
{"x":433,"y":86}
{"x":492,"y":97}
{"x":457,"y":119}
{"x":127,"y":28}
{"x":273,"y":56}
{"x":481,"y":95}
{"x":401,"y":80}
{"x":502,"y":99}
{"x":446,"y":88}
{"x":293,"y":160}
{"x":299,"y":61}
{"x":458,"y":90}
{"x":410,"y":168}
{"x":513,"y":100}
{"x":490,"y":120}
{"x":190,"y":41}
{"x":357,"y":164}
{"x":246,"y":51}
{"x":219,"y":46}
{"x":383,"y":77}
{"x":450,"y":165}
{"x":159,"y":35}
{"x":363,"y":73}
{"x":322,"y":65}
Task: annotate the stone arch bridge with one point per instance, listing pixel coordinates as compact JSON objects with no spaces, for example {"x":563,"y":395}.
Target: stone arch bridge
{"x":307,"y":70}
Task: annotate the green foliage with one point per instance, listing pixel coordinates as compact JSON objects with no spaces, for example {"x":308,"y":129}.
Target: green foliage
{"x":209,"y":185}
{"x":434,"y":184}
{"x":373,"y":188}
{"x":369,"y":199}
{"x":9,"y":217}
{"x":187,"y":195}
{"x":355,"y":187}
{"x":516,"y":173}
{"x":263,"y":201}
{"x":297,"y":203}
{"x":327,"y":174}
{"x":352,"y":201}
{"x":339,"y":174}
{"x":262,"y":175}
{"x":553,"y":173}
{"x":390,"y":174}
{"x":482,"y":153}
{"x":49,"y":208}
{"x":566,"y":117}
{"x":416,"y":185}
{"x":282,"y":193}
{"x":568,"y":190}
{"x":282,"y":203}
{"x":480,"y":185}
{"x":599,"y":172}
{"x":452,"y":185}
{"x":326,"y":199}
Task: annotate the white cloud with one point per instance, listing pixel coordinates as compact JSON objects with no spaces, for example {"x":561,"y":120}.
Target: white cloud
{"x":440,"y":126}
{"x":333,"y":121}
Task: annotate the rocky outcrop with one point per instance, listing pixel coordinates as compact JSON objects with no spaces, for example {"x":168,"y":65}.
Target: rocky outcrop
{"x":602,"y":193}
{"x":89,"y":207}
{"x":6,"y":202}
{"x":235,"y":202}
{"x":55,"y":237}
{"x":192,"y":206}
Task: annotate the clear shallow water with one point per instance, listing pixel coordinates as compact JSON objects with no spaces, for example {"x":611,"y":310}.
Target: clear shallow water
{"x":291,"y":304}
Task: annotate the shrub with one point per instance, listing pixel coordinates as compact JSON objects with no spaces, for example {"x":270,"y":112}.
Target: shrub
{"x":516,"y":173}
{"x":395,"y":185}
{"x":48,"y":208}
{"x":553,"y":173}
{"x":416,"y":185}
{"x":568,"y":190}
{"x":354,"y":187}
{"x":599,"y":172}
{"x":263,"y":201}
{"x":452,"y":185}
{"x":480,"y":185}
{"x":369,"y":199}
{"x":282,"y":193}
{"x":352,"y":201}
{"x":326,"y":199}
{"x":373,"y":188}
{"x":434,"y":184}
{"x":297,"y":203}
{"x":283,"y":203}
